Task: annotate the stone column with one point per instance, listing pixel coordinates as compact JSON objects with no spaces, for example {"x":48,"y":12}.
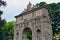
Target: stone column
{"x":14,"y":35}
{"x":20,"y":35}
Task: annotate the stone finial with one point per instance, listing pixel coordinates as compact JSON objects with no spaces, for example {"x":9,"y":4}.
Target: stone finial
{"x":29,"y":6}
{"x":34,"y":6}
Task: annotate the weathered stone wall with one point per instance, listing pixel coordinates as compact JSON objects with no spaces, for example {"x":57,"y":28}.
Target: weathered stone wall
{"x":27,"y":16}
{"x":38,"y":21}
{"x":38,"y":12}
{"x":19,"y":19}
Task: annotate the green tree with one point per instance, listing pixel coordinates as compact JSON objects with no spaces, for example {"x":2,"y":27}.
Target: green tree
{"x":9,"y":30}
{"x":41,"y":4}
{"x":2,"y":21}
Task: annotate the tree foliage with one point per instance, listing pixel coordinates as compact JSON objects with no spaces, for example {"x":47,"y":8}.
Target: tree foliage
{"x":54,"y":13}
{"x":2,"y":3}
{"x":9,"y":30}
{"x":41,"y":4}
{"x":2,"y":21}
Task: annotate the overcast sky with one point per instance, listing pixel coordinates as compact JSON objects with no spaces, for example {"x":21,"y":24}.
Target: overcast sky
{"x":15,"y":7}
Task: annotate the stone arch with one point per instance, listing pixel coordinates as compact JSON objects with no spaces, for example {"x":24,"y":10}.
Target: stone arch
{"x":25,"y":33}
{"x":38,"y":34}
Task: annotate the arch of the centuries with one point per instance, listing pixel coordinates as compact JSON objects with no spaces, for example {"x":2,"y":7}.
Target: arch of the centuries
{"x":36,"y":20}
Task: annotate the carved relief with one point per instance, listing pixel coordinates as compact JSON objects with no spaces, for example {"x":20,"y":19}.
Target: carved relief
{"x":17,"y":26}
{"x":20,"y":25}
{"x":29,"y":24}
{"x":45,"y":19}
{"x":37,"y":21}
{"x":25,"y":22}
{"x":47,"y":34}
{"x":33,"y":22}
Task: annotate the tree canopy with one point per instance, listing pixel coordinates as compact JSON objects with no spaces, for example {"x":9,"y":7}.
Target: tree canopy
{"x":2,"y":21}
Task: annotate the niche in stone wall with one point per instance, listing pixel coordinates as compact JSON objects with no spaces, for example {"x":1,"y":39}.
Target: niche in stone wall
{"x":17,"y":36}
{"x":38,"y":34}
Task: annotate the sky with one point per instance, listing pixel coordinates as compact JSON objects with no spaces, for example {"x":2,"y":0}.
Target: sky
{"x":15,"y":7}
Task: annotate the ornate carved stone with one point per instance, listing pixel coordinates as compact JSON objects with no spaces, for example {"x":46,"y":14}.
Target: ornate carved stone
{"x":26,"y":22}
{"x":37,"y":21}
{"x":20,"y":25}
{"x":31,"y":19}
{"x":33,"y":22}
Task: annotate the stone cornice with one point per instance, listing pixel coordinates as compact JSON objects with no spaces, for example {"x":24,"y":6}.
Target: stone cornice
{"x":32,"y":10}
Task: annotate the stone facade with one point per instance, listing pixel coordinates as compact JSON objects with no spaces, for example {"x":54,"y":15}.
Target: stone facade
{"x":36,"y":19}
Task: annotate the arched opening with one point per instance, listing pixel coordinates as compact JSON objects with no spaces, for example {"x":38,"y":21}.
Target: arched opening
{"x":38,"y":34}
{"x":27,"y":34}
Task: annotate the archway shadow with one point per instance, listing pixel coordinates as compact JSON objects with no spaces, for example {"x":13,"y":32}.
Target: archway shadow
{"x":27,"y":34}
